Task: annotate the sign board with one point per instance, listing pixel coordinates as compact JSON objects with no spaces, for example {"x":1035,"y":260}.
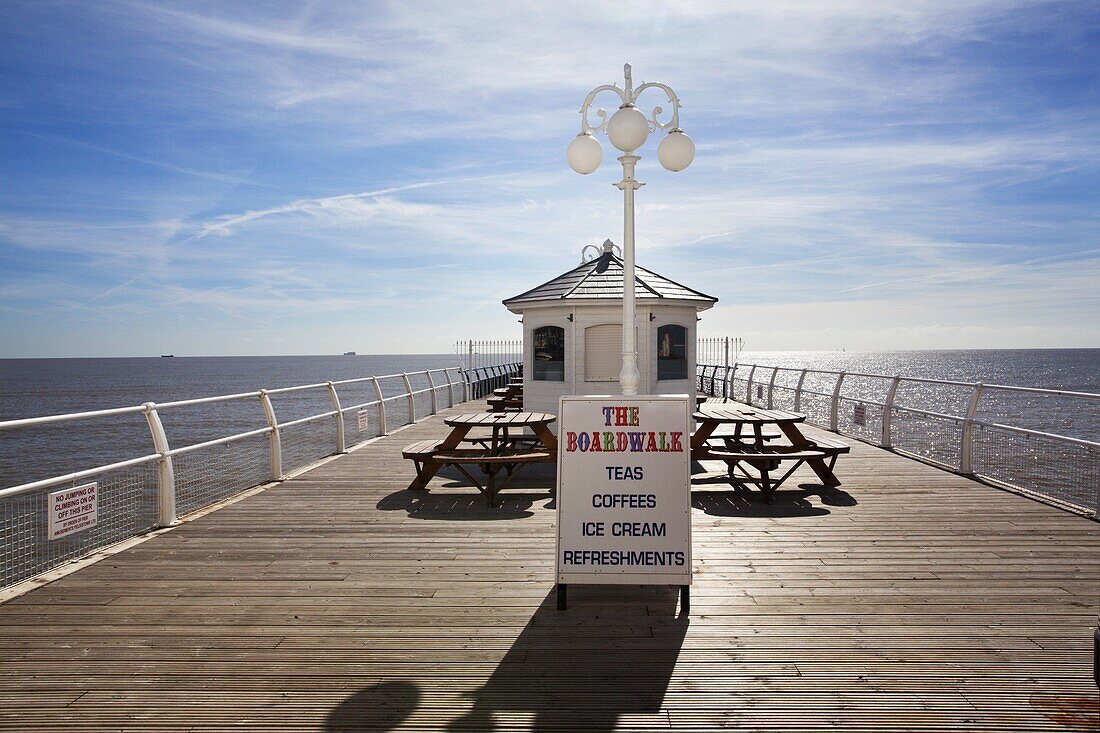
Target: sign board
{"x":859,"y":414}
{"x":624,"y":490}
{"x":73,"y":510}
{"x":362,"y":416}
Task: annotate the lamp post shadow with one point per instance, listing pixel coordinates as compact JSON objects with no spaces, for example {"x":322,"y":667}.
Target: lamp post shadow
{"x":611,"y":654}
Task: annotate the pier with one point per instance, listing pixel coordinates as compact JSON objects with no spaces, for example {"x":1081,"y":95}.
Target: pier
{"x":909,"y":598}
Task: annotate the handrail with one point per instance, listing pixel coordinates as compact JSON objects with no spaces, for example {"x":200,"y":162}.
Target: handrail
{"x":127,"y":508}
{"x":76,"y":475}
{"x":959,"y":457}
{"x":1037,"y":433}
{"x":68,"y":417}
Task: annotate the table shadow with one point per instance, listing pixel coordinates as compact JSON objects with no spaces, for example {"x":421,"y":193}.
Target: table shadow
{"x":469,"y":505}
{"x":736,"y":501}
{"x":611,"y":653}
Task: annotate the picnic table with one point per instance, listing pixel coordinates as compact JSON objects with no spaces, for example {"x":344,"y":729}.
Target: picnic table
{"x":755,"y":447}
{"x":505,"y":399}
{"x":508,"y":446}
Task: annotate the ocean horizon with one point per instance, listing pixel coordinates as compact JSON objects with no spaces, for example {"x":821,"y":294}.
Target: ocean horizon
{"x":33,"y":387}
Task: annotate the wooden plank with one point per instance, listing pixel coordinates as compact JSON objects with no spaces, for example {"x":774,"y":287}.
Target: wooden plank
{"x":340,"y":601}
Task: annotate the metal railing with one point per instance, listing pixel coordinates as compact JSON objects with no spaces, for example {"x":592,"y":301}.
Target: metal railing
{"x":479,"y":354}
{"x":152,"y":490}
{"x":941,"y":421}
{"x":483,"y":380}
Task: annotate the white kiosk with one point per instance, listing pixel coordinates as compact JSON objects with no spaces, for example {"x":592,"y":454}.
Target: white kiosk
{"x":572,"y":332}
{"x":624,"y":495}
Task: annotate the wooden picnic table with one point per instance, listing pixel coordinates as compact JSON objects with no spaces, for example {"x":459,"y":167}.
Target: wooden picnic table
{"x":752,"y":447}
{"x":504,"y":448}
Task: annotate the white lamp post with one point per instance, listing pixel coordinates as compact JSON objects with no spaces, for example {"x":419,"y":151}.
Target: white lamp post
{"x":627,"y":130}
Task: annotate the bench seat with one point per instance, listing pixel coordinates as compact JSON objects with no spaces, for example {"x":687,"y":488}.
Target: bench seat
{"x":480,"y":457}
{"x":424,"y":452}
{"x":421,"y":449}
{"x":830,"y":445}
{"x":503,"y":404}
{"x":767,"y":454}
{"x":763,"y":459}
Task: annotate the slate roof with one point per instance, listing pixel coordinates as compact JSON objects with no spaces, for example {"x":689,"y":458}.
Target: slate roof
{"x":602,"y":278}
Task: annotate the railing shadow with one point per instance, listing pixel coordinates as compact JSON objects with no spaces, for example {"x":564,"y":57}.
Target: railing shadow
{"x":611,"y":654}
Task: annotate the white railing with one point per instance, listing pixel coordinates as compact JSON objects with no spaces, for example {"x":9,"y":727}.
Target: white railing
{"x":152,"y":490}
{"x":475,"y":354}
{"x":938,"y":420}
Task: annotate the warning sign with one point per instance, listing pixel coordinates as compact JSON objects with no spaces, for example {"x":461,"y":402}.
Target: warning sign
{"x":73,"y":510}
{"x":362,"y":415}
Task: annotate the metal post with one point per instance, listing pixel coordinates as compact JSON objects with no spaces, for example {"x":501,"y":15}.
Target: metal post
{"x":726,"y":382}
{"x":381,"y":407}
{"x":450,"y":388}
{"x":629,"y":376}
{"x":771,"y":387}
{"x":798,"y":391}
{"x":748,"y":387}
{"x":726,"y":363}
{"x":341,"y":440}
{"x":412,"y":399}
{"x":966,"y":447}
{"x":431,"y":386}
{"x":888,"y":412}
{"x":274,"y":437}
{"x":470,"y":358}
{"x":833,"y":407}
{"x":166,"y":475}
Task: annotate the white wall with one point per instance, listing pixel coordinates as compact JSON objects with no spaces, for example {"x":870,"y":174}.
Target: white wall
{"x":669,"y":315}
{"x":543,"y":396}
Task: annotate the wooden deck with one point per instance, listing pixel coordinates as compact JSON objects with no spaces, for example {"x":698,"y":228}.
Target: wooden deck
{"x":909,"y":599}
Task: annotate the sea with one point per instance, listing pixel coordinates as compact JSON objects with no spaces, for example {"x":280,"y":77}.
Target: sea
{"x":34,"y":387}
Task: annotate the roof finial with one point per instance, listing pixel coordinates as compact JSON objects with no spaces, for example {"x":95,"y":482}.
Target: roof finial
{"x":598,"y":251}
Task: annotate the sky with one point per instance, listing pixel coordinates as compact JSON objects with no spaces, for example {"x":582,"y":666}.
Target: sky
{"x":212,"y":178}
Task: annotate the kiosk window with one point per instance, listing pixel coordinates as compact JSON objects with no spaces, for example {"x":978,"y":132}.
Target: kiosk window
{"x":549,"y":347}
{"x":672,"y":352}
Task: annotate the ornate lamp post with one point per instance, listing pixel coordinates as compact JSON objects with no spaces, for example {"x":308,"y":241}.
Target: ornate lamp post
{"x":627,"y":130}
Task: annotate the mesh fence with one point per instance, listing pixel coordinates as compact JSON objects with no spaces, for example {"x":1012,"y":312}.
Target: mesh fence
{"x":937,"y":439}
{"x":859,"y":418}
{"x":127,"y":498}
{"x":783,"y":397}
{"x":1059,"y":469}
{"x":209,"y":475}
{"x":816,"y":408}
{"x":127,"y":506}
{"x":1065,"y":471}
{"x":308,"y":442}
{"x":361,"y":424}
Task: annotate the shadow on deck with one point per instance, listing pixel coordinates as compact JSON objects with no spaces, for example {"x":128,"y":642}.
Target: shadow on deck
{"x":908,"y":599}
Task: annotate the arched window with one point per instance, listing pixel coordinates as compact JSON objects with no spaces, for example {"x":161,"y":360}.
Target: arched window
{"x":672,"y":353}
{"x":549,"y":348}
